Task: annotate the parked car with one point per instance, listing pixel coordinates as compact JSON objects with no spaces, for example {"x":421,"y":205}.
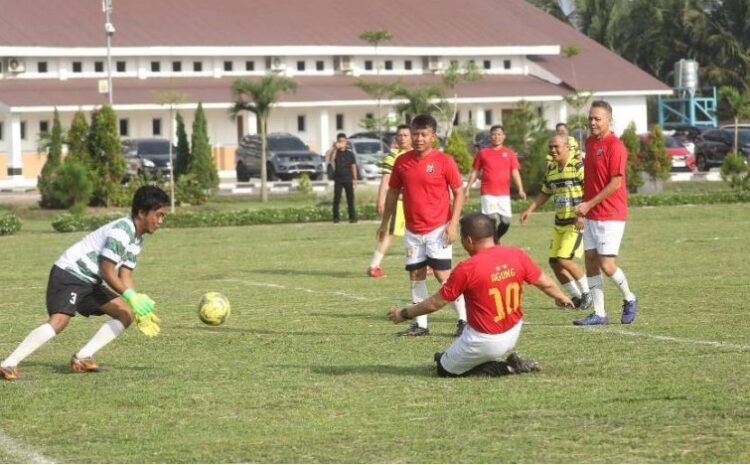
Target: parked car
{"x":682,"y":159}
{"x":369,"y":154}
{"x":715,"y":144}
{"x":287,"y":157}
{"x":147,"y":156}
{"x":388,"y":137}
{"x":686,"y":134}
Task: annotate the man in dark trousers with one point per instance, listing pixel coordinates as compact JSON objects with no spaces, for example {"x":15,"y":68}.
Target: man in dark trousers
{"x":344,"y":175}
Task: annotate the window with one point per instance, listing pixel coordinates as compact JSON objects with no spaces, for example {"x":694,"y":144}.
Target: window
{"x":368,"y":65}
{"x":249,"y":65}
{"x":156,"y":126}
{"x":99,"y":66}
{"x":339,"y":121}
{"x":488,"y":117}
{"x":228,"y":66}
{"x":454,"y":63}
{"x":43,"y":127}
{"x":197,"y":66}
{"x":77,"y":67}
{"x":300,"y":66}
{"x":407,"y":65}
{"x":369,"y":115}
{"x":124,"y":127}
{"x":1,"y":67}
{"x":320,"y":65}
{"x":155,"y":66}
{"x":41,"y":67}
{"x":1,"y":130}
{"x":487,"y":64}
{"x":121,"y":67}
{"x":176,"y":66}
{"x":388,"y":65}
{"x":301,"y":123}
{"x":23,"y":130}
{"x":506,"y":64}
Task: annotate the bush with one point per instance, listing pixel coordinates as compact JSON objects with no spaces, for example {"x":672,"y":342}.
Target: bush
{"x":634,"y":176}
{"x":735,"y":172}
{"x":69,"y":186}
{"x":9,"y":224}
{"x":188,"y":190}
{"x":657,"y":163}
{"x":457,"y":148}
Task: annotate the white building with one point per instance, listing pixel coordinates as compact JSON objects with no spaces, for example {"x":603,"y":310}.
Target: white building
{"x":53,"y":55}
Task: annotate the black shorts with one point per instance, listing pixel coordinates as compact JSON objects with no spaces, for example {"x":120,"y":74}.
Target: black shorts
{"x":70,"y":295}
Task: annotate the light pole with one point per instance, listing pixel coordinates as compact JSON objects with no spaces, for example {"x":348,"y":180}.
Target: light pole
{"x":109,"y":30}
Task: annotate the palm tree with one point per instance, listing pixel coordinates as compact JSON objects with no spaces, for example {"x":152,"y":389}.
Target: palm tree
{"x":257,"y":96}
{"x":739,"y":106}
{"x":419,"y":100}
{"x":454,"y":75}
{"x":374,"y":38}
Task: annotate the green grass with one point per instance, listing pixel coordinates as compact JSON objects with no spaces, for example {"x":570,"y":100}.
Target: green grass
{"x":307,"y":368}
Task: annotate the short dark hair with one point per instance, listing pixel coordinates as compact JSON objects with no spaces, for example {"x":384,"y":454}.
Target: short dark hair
{"x":148,"y":198}
{"x":424,"y":121}
{"x":561,"y":125}
{"x":403,"y":126}
{"x":602,"y":104}
{"x":340,"y":135}
{"x":477,"y":226}
{"x":497,"y":126}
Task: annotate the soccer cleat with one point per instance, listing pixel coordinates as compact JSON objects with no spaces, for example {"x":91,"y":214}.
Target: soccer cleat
{"x":592,"y":319}
{"x":585,"y":301}
{"x":629,"y":309}
{"x":83,"y":365}
{"x":375,"y":272}
{"x":10,"y":373}
{"x":460,"y":328}
{"x":522,"y":365}
{"x":415,"y":330}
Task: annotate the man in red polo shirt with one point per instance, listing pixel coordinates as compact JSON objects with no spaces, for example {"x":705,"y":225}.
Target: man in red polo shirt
{"x":491,"y":281}
{"x":426,"y":178}
{"x":498,"y":165}
{"x":605,"y":209}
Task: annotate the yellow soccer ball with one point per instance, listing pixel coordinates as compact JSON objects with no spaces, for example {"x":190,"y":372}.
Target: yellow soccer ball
{"x":214,"y":308}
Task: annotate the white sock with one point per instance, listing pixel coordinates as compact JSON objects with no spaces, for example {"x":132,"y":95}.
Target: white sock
{"x":106,"y":334}
{"x":622,"y":283}
{"x":572,"y":289}
{"x":460,"y":306}
{"x":419,"y":293}
{"x":33,"y":341}
{"x":377,"y":258}
{"x":583,"y":283}
{"x":597,"y":293}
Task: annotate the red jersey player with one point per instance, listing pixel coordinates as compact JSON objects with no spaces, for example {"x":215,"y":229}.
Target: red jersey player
{"x":491,"y":281}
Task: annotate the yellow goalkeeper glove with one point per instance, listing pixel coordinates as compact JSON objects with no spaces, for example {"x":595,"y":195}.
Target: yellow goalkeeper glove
{"x":148,"y":324}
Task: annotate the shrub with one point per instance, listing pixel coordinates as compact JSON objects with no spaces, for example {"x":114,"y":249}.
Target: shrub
{"x":305,"y":185}
{"x":457,"y":148}
{"x":657,"y":162}
{"x":188,"y":190}
{"x":634,"y":176}
{"x":69,"y":186}
{"x":735,"y":172}
{"x":9,"y":224}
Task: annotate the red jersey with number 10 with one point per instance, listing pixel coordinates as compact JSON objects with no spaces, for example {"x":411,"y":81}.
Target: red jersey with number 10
{"x":606,"y":158}
{"x":492,"y":284}
{"x":425,"y":182}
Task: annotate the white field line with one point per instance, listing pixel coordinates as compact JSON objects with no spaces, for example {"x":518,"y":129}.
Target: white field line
{"x":20,"y":453}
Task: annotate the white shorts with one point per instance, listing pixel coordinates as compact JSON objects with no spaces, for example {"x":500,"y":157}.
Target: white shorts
{"x":604,"y":236}
{"x":473,"y":348}
{"x":420,"y":247}
{"x":499,"y":204}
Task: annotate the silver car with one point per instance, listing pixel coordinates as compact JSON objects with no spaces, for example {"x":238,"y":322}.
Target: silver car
{"x":369,"y":154}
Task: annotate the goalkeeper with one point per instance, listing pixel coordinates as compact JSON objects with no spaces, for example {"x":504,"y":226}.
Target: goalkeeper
{"x":77,"y":284}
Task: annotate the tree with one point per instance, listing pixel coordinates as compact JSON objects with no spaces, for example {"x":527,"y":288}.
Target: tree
{"x":427,"y":100}
{"x":257,"y":96}
{"x":739,"y":106}
{"x":106,"y":156}
{"x":657,"y":162}
{"x":633,"y":176}
{"x":527,"y":135}
{"x":201,"y":164}
{"x":454,"y":75}
{"x":76,"y":139}
{"x":183,"y":148}
{"x":52,"y":143}
{"x":171,"y":98}
{"x":457,"y":148}
{"x":374,"y":38}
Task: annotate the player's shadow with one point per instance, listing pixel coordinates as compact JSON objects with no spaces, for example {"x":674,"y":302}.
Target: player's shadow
{"x":63,"y":368}
{"x":356,"y":316}
{"x":343,"y":370}
{"x":297,"y":272}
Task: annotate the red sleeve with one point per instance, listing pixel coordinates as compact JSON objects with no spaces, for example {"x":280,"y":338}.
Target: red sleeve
{"x":618,"y":160}
{"x":477,"y":165}
{"x":533,"y":272}
{"x":455,"y":284}
{"x":514,"y":165}
{"x":395,"y":180}
{"x":452,"y":174}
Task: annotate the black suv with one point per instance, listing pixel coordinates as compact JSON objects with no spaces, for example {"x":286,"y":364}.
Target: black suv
{"x":715,"y":144}
{"x":287,"y":157}
{"x":147,"y":156}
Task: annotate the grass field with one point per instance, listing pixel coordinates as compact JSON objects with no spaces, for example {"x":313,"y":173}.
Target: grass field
{"x":308,"y":369}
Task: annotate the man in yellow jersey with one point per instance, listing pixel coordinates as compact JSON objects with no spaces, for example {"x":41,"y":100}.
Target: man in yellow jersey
{"x":563,"y":181}
{"x":397,"y":225}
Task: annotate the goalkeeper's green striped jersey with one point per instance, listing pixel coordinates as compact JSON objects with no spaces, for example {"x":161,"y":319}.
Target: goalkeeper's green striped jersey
{"x":115,"y":241}
{"x":566,"y":188}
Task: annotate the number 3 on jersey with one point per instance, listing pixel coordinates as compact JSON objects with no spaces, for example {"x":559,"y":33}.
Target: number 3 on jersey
{"x":508,"y":303}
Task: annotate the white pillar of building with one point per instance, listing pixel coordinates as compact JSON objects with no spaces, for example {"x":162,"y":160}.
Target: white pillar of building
{"x":479,"y":117}
{"x":15,"y":160}
{"x":251,"y":123}
{"x":562,"y":115}
{"x":325,"y":130}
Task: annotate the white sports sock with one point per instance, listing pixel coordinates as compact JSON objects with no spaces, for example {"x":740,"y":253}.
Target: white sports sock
{"x":106,"y":334}
{"x":419,"y":293}
{"x":622,"y":283}
{"x":597,"y":293}
{"x":460,"y":306}
{"x":33,"y":341}
{"x":377,"y":258}
{"x":572,"y":289}
{"x":583,"y":283}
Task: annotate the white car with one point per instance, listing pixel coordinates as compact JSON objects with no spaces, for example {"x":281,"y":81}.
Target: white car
{"x":369,"y":154}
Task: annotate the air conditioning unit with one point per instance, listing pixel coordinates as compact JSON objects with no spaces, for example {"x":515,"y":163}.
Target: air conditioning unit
{"x":277,"y":64}
{"x":434,"y":64}
{"x":15,"y":65}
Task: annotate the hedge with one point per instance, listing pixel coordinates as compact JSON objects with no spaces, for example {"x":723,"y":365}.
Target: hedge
{"x":322,"y":213}
{"x":9,"y":224}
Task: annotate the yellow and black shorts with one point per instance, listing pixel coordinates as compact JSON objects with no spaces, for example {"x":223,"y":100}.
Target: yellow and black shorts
{"x":566,"y":243}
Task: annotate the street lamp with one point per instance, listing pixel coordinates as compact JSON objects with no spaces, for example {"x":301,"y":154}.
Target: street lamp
{"x":109,"y":29}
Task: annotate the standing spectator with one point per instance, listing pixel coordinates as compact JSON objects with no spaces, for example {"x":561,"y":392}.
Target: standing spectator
{"x":426,"y":177}
{"x":344,"y":177}
{"x":564,"y":182}
{"x":492,"y":281}
{"x":498,"y":165}
{"x":605,"y":208}
{"x":397,"y":225}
